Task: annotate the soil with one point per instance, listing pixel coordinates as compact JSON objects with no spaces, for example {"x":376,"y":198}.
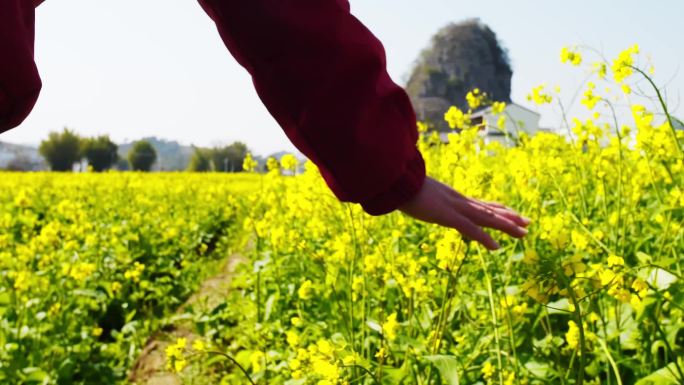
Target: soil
{"x":150,"y":367}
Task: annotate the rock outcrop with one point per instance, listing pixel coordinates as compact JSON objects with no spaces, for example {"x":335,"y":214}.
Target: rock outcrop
{"x":462,"y":56}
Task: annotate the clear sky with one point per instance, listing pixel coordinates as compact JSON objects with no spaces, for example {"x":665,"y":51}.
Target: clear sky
{"x":134,"y":68}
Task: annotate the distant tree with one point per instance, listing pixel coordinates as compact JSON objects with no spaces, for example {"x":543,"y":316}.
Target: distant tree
{"x":61,"y":150}
{"x":142,"y":156}
{"x":229,"y":158}
{"x":200,"y":160}
{"x":100,"y":152}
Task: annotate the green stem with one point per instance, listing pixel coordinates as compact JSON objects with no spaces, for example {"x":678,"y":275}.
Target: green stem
{"x":663,"y":105}
{"x":493,"y":312}
{"x":234,"y":361}
{"x":580,"y":325}
{"x":368,"y":372}
{"x":611,"y":360}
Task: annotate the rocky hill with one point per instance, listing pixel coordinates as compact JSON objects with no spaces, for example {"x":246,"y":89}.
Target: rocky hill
{"x":462,"y":56}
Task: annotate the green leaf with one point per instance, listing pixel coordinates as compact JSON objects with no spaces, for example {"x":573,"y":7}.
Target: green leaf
{"x":447,"y":367}
{"x":268,"y":307}
{"x":5,"y":298}
{"x":396,"y":375}
{"x":35,"y":375}
{"x":538,"y":369}
{"x":643,"y":258}
{"x":662,"y":376}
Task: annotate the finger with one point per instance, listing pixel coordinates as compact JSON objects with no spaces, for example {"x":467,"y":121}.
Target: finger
{"x":495,"y":204}
{"x":468,"y":229}
{"x":511,"y":215}
{"x":515,"y":217}
{"x":485,"y":216}
{"x":506,"y":212}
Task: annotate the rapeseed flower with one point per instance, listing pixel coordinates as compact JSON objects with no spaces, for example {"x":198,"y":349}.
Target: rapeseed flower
{"x":571,"y":56}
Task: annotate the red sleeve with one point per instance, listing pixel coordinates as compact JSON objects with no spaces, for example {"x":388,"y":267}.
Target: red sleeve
{"x":19,"y":80}
{"x":323,"y":77}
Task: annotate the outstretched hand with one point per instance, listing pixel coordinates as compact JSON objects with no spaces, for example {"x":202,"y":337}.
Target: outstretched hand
{"x":440,"y":204}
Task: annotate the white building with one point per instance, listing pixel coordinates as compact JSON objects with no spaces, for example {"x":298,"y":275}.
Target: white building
{"x":518,"y":120}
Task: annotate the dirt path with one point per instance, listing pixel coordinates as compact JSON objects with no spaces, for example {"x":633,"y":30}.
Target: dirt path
{"x":150,"y":367}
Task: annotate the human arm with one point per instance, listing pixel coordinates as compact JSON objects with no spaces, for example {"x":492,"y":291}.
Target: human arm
{"x":323,"y":77}
{"x":19,"y":80}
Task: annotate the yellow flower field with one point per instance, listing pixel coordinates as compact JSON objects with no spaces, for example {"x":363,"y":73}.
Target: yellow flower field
{"x":92,"y":264}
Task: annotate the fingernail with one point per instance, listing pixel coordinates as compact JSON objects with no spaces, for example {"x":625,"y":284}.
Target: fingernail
{"x":526,"y":220}
{"x":522,"y":230}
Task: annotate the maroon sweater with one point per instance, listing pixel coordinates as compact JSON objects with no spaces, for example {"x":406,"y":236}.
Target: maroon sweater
{"x":319,"y":72}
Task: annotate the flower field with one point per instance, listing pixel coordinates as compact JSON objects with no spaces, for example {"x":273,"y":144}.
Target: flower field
{"x":90,"y":265}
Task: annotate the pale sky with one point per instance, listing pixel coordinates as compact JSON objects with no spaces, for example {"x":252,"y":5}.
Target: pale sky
{"x":134,"y":68}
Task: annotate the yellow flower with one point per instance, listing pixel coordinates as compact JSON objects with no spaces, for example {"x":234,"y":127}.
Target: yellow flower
{"x":498,"y":107}
{"x":642,"y":117}
{"x":640,"y":287}
{"x":622,"y":65}
{"x":590,"y":99}
{"x":306,"y":290}
{"x":257,"y":359}
{"x":81,"y":270}
{"x":179,"y":365}
{"x":601,"y":69}
{"x":474,"y":98}
{"x":530,"y":257}
{"x":593,"y":317}
{"x":294,"y":364}
{"x":572,"y":336}
{"x":579,"y":240}
{"x":568,"y":55}
{"x":21,"y":280}
{"x":199,"y":345}
{"x":456,"y":118}
{"x":135,"y":272}
{"x":422,"y":127}
{"x":614,"y":260}
{"x":487,"y":370}
{"x":296,"y":321}
{"x":390,"y":326}
{"x":249,"y":164}
{"x":54,"y":309}
{"x":350,"y":359}
{"x":97,"y":331}
{"x":538,"y":96}
{"x":324,"y":347}
{"x":501,"y":122}
{"x":174,"y":355}
{"x":289,"y":162}
{"x":635,"y":302}
{"x":326,"y":369}
{"x":606,"y":276}
{"x":292,"y":338}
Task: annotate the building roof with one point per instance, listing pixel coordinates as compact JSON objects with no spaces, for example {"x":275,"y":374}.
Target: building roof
{"x":485,"y":110}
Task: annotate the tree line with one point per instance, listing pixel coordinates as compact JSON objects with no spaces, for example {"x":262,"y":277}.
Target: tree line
{"x":62,"y":150}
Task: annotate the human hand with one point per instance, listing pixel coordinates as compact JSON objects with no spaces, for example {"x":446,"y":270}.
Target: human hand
{"x":440,"y":204}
